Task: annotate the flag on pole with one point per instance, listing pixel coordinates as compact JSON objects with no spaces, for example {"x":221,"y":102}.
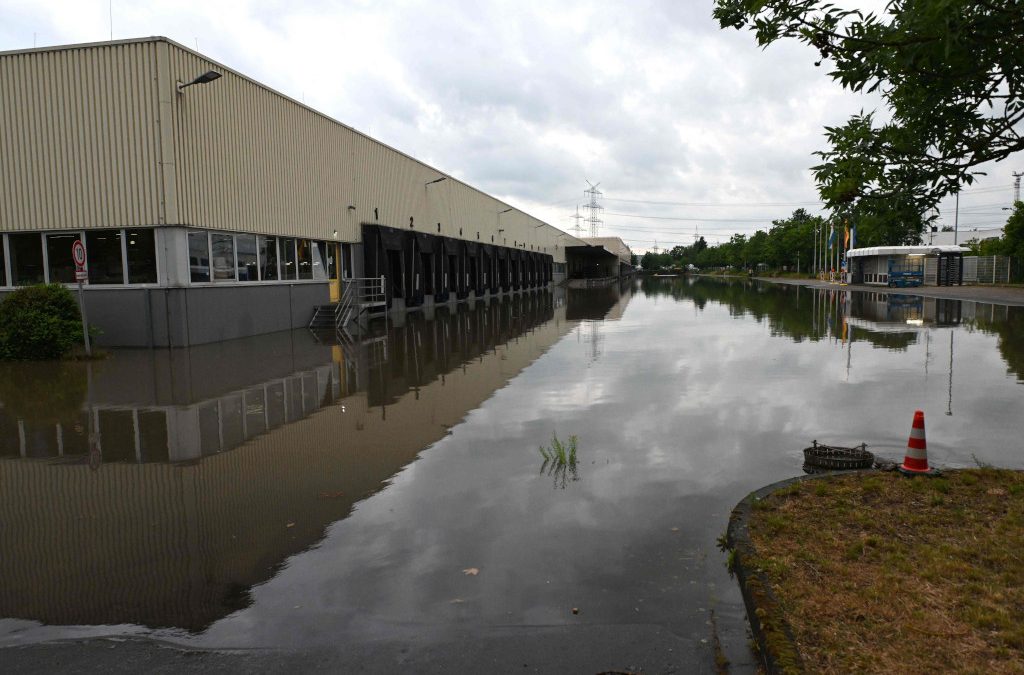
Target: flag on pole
{"x":846,"y":238}
{"x":831,"y":236}
{"x":853,"y":236}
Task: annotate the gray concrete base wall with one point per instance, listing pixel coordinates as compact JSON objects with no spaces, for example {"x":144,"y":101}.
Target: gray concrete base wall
{"x":182,"y":317}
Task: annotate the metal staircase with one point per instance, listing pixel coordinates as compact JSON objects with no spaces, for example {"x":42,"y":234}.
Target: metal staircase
{"x":359,"y":296}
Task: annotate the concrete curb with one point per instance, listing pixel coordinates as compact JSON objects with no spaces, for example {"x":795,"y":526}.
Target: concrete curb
{"x":775,"y":641}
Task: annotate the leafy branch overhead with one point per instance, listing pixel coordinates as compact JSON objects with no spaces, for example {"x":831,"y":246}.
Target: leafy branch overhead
{"x":949,"y":71}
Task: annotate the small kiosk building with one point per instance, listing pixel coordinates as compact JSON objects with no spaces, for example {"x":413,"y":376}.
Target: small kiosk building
{"x":901,"y":266}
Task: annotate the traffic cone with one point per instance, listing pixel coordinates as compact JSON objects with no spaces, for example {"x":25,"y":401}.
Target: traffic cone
{"x":916,"y":460}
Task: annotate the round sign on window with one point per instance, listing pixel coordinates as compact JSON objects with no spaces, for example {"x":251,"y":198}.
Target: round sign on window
{"x":78,"y":254}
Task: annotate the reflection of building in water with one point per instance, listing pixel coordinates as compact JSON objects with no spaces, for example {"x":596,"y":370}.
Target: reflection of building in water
{"x":149,"y":539}
{"x":596,"y":305}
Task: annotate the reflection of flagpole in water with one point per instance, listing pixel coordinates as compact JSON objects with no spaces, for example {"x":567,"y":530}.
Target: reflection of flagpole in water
{"x":927,"y":350}
{"x":949,"y":405}
{"x":849,"y":353}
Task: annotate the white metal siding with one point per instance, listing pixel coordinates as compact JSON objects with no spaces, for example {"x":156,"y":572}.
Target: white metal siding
{"x":77,"y":148}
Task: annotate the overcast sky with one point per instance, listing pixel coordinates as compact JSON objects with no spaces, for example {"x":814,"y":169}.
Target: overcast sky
{"x":685,"y":126}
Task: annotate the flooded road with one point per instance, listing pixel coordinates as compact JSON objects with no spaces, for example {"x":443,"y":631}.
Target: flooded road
{"x":290,"y":492}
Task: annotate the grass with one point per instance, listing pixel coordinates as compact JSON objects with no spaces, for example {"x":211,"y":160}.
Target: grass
{"x":882,"y":573}
{"x":560,"y":461}
{"x":559,"y":453}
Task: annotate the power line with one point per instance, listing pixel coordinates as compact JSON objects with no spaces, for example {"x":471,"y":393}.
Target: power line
{"x":730,"y":204}
{"x":697,"y":220}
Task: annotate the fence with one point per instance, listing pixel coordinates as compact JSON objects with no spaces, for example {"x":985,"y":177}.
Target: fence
{"x":986,"y":269}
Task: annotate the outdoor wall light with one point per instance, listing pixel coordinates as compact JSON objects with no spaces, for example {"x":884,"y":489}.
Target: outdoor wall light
{"x":437,"y":181}
{"x":208,"y":76}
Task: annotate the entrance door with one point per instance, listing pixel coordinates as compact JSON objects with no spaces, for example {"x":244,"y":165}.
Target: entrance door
{"x":334,"y":270}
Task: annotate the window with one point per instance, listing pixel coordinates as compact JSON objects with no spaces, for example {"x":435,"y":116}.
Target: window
{"x":332,"y":260}
{"x":26,"y":259}
{"x":58,"y":256}
{"x":199,"y":256}
{"x":3,"y":269}
{"x":319,"y":251}
{"x":141,"y":248}
{"x":305,"y":257}
{"x":222,"y":248}
{"x":346,"y":261}
{"x":289,"y":270}
{"x":248,"y":266}
{"x":103,"y":249}
{"x":268,"y":257}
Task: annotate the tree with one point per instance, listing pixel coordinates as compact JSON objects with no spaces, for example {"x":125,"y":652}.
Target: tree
{"x":951,"y":73}
{"x":1013,"y":234}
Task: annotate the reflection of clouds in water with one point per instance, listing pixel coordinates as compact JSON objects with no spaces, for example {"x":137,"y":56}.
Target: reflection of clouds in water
{"x":681,"y":417}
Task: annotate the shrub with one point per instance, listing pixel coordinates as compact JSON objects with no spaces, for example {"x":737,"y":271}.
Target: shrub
{"x":39,"y":322}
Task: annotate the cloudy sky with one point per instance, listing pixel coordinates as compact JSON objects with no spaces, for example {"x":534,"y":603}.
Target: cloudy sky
{"x":686,"y":127}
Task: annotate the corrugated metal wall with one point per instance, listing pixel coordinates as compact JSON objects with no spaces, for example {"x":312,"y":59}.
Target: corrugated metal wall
{"x":248,"y":159}
{"x":83,"y":147}
{"x":77,"y":141}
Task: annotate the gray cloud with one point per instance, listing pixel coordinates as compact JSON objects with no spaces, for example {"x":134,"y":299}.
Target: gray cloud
{"x":526,"y":99}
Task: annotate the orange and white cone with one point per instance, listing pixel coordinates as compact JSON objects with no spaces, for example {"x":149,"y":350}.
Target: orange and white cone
{"x":916,"y":459}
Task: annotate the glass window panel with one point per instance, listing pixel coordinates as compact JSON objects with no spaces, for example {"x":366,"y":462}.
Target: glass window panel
{"x":310,"y":400}
{"x":117,"y":435}
{"x":332,"y":260}
{"x":58,"y":256}
{"x":26,"y":259}
{"x":141,"y":245}
{"x":268,"y":258}
{"x":320,"y":260}
{"x":103,"y":249}
{"x":222,"y":247}
{"x":295,"y":398}
{"x":255,"y":411}
{"x":75,"y":435}
{"x":40,"y":440}
{"x":153,"y":436}
{"x":275,"y":405}
{"x":248,"y":267}
{"x":3,"y":269}
{"x":231,"y":421}
{"x":289,"y":270}
{"x":305,"y":255}
{"x":209,"y":429}
{"x":10,"y":440}
{"x":199,"y":256}
{"x":346,"y":261}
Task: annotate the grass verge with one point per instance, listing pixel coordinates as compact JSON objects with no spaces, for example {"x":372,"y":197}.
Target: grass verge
{"x":880,"y":573}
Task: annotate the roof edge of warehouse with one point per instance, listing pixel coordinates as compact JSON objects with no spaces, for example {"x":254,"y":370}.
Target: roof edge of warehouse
{"x":161,"y":38}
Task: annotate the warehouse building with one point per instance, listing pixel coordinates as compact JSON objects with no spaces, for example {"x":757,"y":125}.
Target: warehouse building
{"x":212,"y":207}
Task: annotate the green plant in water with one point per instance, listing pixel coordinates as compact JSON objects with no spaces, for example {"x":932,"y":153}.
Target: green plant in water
{"x":560,"y":453}
{"x":560,"y":461}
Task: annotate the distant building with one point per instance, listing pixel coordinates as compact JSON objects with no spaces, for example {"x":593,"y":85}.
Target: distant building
{"x":962,"y":236}
{"x":595,"y":260}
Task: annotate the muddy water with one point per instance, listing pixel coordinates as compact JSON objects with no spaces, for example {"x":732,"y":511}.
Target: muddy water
{"x":297,"y":491}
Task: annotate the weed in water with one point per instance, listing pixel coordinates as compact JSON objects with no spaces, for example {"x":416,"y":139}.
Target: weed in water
{"x":560,"y":460}
{"x":560,"y":453}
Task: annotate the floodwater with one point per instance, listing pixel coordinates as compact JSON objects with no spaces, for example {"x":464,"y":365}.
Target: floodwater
{"x":292,"y":491}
